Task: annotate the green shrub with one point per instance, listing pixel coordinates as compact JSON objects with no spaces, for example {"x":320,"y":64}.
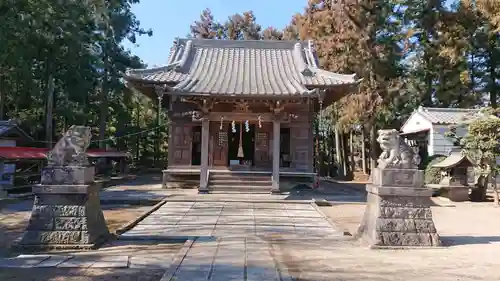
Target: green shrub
{"x":433,"y":175}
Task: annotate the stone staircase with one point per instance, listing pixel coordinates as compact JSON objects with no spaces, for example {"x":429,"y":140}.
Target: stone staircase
{"x":239,"y":182}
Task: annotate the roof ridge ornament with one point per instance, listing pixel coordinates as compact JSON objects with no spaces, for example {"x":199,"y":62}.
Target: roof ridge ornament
{"x":298,"y":59}
{"x":310,"y":52}
{"x":185,"y":55}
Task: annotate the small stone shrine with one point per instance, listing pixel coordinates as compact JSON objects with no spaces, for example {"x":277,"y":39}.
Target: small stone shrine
{"x":66,"y":211}
{"x":455,"y":181}
{"x":398,"y":210}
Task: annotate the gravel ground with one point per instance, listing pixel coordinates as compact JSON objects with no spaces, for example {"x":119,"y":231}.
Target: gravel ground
{"x":76,"y":274}
{"x":472,"y":230}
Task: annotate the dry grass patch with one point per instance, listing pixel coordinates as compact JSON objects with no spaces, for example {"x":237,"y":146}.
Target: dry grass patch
{"x":347,"y":216}
{"x":117,"y":217}
{"x":13,"y":222}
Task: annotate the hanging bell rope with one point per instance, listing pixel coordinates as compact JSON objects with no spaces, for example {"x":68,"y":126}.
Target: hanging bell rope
{"x":240,"y":148}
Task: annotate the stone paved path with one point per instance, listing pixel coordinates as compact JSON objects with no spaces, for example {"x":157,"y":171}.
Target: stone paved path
{"x":223,"y":259}
{"x":234,"y":240}
{"x":233,"y":219}
{"x":226,"y":240}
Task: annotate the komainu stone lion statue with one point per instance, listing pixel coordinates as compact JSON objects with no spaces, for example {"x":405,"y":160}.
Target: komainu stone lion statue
{"x":395,"y":152}
{"x":71,"y":149}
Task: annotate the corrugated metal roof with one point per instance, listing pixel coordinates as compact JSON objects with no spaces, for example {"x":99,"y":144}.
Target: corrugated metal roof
{"x":18,"y":152}
{"x":11,"y":125}
{"x":4,"y":129}
{"x":248,"y":67}
{"x":448,"y":116}
{"x":6,"y":126}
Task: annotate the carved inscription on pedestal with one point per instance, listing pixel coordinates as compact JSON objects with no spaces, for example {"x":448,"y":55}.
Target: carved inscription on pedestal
{"x":402,"y":178}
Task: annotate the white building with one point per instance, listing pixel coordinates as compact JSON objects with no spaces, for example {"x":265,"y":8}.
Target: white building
{"x":428,"y":127}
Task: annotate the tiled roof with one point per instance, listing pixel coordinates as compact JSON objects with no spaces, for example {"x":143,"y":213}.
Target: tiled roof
{"x":448,"y":116}
{"x":248,"y":67}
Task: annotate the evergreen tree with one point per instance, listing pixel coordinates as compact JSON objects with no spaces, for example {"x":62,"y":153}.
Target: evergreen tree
{"x":207,"y":27}
{"x":272,"y":33}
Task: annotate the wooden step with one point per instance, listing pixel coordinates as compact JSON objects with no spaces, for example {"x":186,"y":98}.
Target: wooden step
{"x":241,"y":188}
{"x":241,"y":182}
{"x":244,"y":177}
{"x":240,"y":192}
{"x":257,"y":173}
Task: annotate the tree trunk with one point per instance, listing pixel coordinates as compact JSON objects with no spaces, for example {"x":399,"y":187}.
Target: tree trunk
{"x":345,"y":152}
{"x":363,"y":150}
{"x":338,"y":152}
{"x":493,"y":180}
{"x":373,"y":147}
{"x":103,"y":114}
{"x":317,"y":161}
{"x":137,"y":139}
{"x":495,"y":193}
{"x":493,"y":84}
{"x":2,"y":98}
{"x":49,"y":119}
{"x":351,"y":151}
{"x":331,"y":154}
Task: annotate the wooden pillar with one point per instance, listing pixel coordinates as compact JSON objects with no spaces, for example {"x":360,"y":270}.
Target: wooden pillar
{"x":276,"y":157}
{"x":205,"y":127}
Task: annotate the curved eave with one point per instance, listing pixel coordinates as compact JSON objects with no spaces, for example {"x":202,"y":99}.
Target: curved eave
{"x":135,"y":79}
{"x":454,"y":160}
{"x":149,"y":90}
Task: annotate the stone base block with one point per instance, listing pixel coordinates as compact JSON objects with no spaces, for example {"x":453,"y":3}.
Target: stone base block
{"x":69,"y":175}
{"x":170,"y":180}
{"x":458,"y":193}
{"x":398,"y":217}
{"x":71,"y":219}
{"x":398,"y":177}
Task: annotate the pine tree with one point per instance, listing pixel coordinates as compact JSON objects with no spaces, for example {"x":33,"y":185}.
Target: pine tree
{"x":207,"y":27}
{"x":473,"y":46}
{"x":242,"y":27}
{"x":272,"y":33}
{"x":423,"y":18}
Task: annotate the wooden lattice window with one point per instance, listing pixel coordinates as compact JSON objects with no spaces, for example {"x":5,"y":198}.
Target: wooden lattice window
{"x":222,"y":138}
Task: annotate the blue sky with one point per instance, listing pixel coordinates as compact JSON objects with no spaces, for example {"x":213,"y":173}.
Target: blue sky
{"x":170,"y":19}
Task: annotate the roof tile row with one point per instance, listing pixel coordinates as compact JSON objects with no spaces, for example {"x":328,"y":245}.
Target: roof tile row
{"x":242,"y":67}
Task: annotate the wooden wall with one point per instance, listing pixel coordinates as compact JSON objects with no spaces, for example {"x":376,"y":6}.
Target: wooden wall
{"x":180,"y":142}
{"x":301,"y":138}
{"x":263,"y":147}
{"x":217,"y":148}
{"x":301,"y":141}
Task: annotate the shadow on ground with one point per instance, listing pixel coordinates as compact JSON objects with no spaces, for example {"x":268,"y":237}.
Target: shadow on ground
{"x":468,"y":240}
{"x":330,"y":191}
{"x":80,"y":274}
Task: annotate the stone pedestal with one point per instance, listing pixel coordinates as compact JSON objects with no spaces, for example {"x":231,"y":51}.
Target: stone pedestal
{"x":66,"y":211}
{"x":67,"y":175}
{"x":398,"y":216}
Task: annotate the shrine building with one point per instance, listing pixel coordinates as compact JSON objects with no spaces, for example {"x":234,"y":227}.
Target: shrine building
{"x":240,"y":112}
